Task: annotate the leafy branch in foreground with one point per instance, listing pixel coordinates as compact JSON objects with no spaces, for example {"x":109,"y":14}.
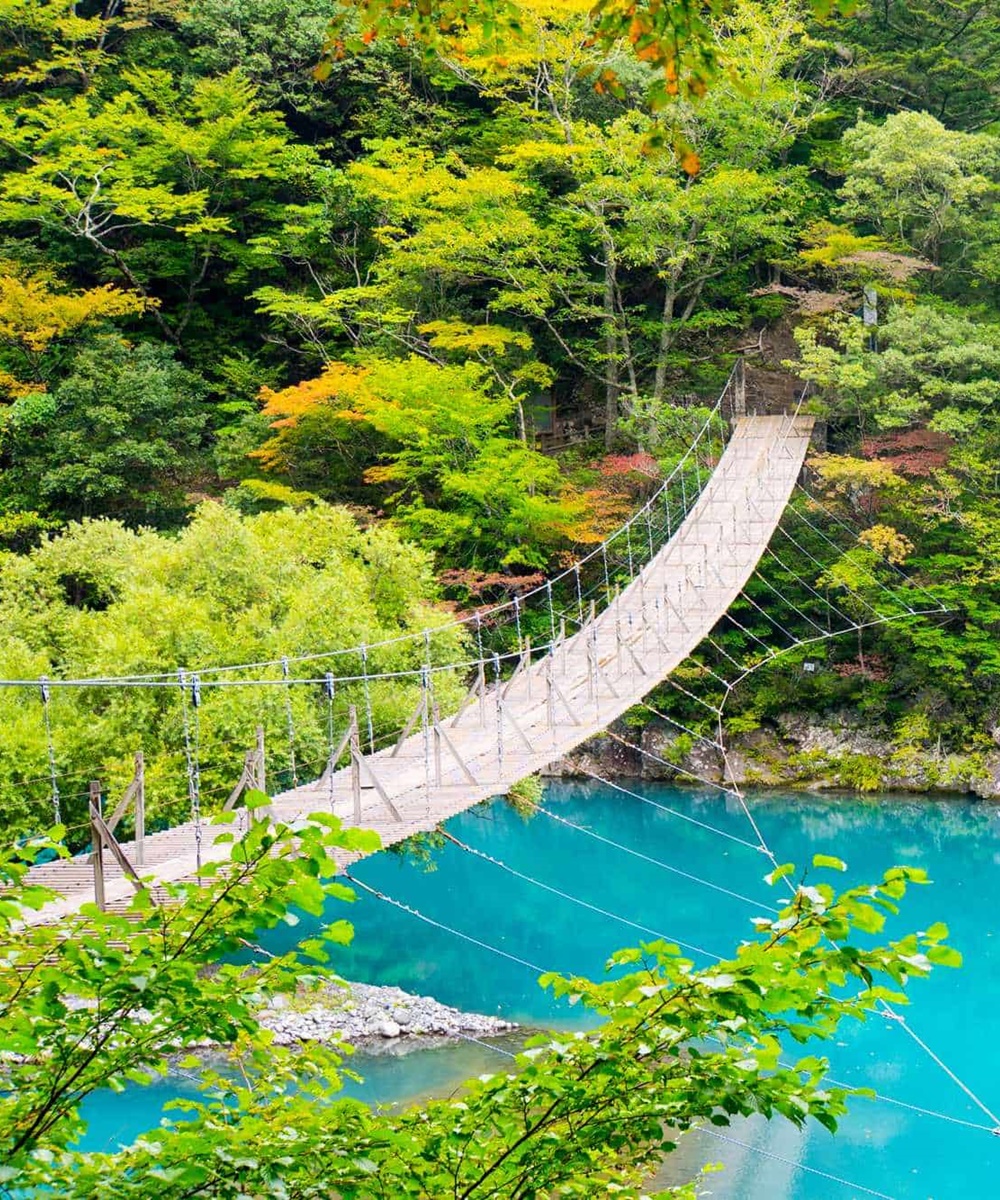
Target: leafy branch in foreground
{"x":105,"y":1000}
{"x":676,"y":39}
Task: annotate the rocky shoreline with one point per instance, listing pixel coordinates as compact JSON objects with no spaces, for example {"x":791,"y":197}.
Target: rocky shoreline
{"x":837,"y":752}
{"x":367,"y":1015}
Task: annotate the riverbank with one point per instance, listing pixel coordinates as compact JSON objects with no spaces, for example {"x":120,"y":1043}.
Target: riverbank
{"x":839,"y":751}
{"x":369,"y":1016}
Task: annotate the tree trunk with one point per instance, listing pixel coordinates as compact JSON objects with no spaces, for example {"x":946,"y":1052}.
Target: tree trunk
{"x":522,"y":425}
{"x":668,"y":334}
{"x":633,"y":384}
{"x":612,"y":384}
{"x":666,"y":340}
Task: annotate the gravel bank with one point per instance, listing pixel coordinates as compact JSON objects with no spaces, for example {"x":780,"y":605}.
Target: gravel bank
{"x":362,"y":1013}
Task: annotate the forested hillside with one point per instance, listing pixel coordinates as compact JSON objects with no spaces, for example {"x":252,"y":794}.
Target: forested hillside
{"x":468,"y":290}
{"x":325,"y":321}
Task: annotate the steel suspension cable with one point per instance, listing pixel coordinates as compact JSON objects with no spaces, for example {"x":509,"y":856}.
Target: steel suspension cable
{"x":481,"y":854}
{"x":715,"y":887}
{"x":191,"y":755}
{"x":790,"y":1162}
{"x":466,"y":937}
{"x":290,"y":723}
{"x":674,"y":812}
{"x":51,"y":753}
{"x":853,"y":532}
{"x":888,"y":1011}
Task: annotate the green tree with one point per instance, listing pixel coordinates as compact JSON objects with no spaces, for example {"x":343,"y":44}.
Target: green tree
{"x":938,"y":57}
{"x":102,"y":599}
{"x":921,"y":184}
{"x":677,"y":40}
{"x":937,"y":368}
{"x":442,"y":449}
{"x":49,"y":43}
{"x":38,"y":320}
{"x":118,"y":437}
{"x":277,"y":45}
{"x":452,"y":242}
{"x":563,"y":235}
{"x":159,"y":184}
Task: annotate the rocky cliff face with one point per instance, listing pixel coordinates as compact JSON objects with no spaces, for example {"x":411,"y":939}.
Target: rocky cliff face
{"x":837,"y":751}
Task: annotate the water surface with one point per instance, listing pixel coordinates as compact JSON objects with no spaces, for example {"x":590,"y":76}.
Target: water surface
{"x":489,"y":933}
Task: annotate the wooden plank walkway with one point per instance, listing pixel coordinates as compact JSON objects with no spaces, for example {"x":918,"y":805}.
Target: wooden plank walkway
{"x":547,"y":708}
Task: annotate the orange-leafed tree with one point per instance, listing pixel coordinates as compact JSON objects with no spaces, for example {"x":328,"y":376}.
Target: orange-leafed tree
{"x":438,"y":447}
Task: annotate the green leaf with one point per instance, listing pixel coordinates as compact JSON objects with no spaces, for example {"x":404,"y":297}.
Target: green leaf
{"x":781,"y":872}
{"x":826,"y":860}
{"x":944,"y":956}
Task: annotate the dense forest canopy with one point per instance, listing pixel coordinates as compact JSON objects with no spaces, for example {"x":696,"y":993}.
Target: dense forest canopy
{"x":277,"y":256}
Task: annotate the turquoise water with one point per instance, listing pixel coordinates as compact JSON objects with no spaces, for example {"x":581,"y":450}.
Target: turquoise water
{"x":882,"y":1147}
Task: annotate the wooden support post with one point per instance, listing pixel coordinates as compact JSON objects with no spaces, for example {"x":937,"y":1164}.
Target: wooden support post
{"x":636,"y":660}
{"x":449,"y":746}
{"x":105,"y":839}
{"x":245,"y":780}
{"x":261,"y":774}
{"x":252,"y":777}
{"x":419,"y":712}
{"x":515,"y":675}
{"x":134,"y":793}
{"x":97,"y":841}
{"x":334,"y":758}
{"x":140,"y":808}
{"x":520,"y":733}
{"x":355,"y":743}
{"x":555,"y":693}
{"x":383,"y":794}
{"x":477,"y":691}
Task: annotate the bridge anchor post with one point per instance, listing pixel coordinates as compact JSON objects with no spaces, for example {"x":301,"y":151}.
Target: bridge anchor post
{"x":740,"y":388}
{"x":98,"y":843}
{"x":355,"y":744}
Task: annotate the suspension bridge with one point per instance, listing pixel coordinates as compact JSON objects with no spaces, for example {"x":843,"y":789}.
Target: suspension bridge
{"x":516,"y":721}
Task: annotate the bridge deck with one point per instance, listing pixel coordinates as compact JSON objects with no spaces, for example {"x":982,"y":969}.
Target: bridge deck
{"x":551,"y":706}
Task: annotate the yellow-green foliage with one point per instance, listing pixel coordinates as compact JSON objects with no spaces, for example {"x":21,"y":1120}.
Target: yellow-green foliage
{"x":101,"y":599}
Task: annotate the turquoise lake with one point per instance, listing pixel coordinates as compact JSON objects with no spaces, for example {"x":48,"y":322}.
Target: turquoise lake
{"x":884,"y":1146}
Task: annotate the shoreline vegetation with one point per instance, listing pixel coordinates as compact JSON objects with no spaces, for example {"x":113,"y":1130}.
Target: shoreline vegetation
{"x":833,"y":752}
